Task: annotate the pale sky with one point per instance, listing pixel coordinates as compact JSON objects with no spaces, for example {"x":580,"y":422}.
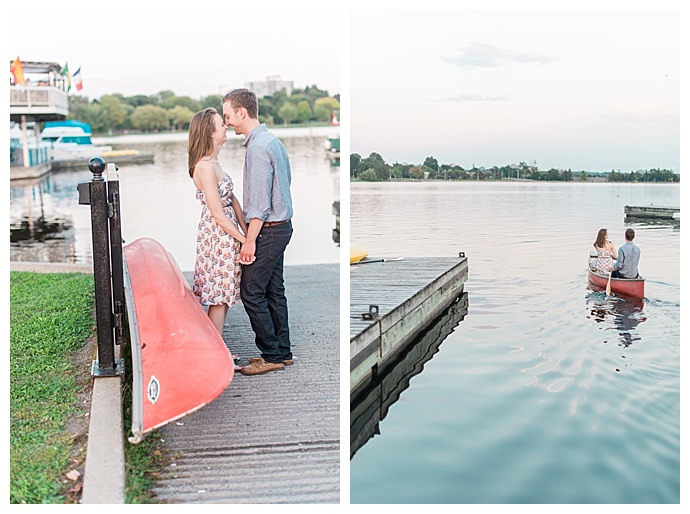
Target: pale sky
{"x":580,"y":89}
{"x":194,"y":48}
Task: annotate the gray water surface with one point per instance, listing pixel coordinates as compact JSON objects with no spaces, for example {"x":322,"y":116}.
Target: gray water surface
{"x":546,"y":391}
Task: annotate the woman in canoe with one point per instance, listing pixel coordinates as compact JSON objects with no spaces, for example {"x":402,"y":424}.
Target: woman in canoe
{"x":606,"y":253}
{"x":221,"y":229}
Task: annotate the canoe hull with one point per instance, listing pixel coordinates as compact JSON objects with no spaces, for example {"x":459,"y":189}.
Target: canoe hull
{"x":180,"y":362}
{"x":625,"y":286}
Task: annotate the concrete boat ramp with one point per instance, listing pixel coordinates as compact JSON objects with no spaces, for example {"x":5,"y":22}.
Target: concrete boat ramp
{"x":393,"y":301}
{"x":272,"y":438}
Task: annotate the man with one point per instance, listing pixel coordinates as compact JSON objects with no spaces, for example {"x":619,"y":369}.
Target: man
{"x":628,"y":258}
{"x":267,"y":209}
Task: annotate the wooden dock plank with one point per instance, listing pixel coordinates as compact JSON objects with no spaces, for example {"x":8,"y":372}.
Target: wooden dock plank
{"x":408,"y":293}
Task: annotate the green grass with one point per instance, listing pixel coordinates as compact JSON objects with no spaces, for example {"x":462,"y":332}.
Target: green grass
{"x":145,"y":460}
{"x":51,"y":320}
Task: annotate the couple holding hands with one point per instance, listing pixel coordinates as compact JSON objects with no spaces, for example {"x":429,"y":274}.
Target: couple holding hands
{"x":240,"y":248}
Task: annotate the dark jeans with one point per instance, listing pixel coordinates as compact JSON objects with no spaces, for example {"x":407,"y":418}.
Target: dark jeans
{"x":617,"y":274}
{"x":263,"y":293}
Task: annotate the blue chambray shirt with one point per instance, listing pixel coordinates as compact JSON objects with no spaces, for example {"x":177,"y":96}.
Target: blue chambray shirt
{"x":266,"y":177}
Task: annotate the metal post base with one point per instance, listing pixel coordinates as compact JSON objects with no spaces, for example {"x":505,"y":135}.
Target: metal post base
{"x":96,"y":370}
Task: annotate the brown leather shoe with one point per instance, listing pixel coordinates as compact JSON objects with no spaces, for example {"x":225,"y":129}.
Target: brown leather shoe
{"x":287,"y":362}
{"x":259,"y":367}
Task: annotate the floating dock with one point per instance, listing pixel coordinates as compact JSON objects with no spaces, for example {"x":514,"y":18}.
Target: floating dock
{"x":371,"y":404}
{"x":392,"y":302}
{"x":651,"y":212}
{"x":118,"y":157}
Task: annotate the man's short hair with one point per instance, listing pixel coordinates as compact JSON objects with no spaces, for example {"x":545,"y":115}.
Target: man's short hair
{"x":629,"y":234}
{"x":243,"y":98}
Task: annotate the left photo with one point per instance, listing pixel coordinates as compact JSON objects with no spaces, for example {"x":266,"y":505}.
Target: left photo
{"x":174,"y":258}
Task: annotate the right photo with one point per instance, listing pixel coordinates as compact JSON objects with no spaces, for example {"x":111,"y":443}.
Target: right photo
{"x":515,"y":256}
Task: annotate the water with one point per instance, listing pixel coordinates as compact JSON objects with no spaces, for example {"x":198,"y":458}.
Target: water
{"x":546,"y":392}
{"x":47,"y":224}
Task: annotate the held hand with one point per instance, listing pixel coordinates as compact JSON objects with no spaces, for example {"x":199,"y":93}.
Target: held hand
{"x":247,"y":252}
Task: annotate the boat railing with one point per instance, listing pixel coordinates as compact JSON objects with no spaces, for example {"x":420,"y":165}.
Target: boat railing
{"x":38,"y":100}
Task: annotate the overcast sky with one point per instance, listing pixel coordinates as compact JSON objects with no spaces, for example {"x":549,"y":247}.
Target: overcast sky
{"x":580,"y":89}
{"x":192,"y":48}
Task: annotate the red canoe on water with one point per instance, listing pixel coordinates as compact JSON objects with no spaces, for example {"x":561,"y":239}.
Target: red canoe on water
{"x":180,"y":362}
{"x":626,"y":286}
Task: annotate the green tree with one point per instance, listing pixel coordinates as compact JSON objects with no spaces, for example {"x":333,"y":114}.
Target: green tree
{"x":324,"y":108}
{"x":288,"y":113}
{"x":376,"y":162}
{"x":303,"y":111}
{"x":212,"y":101}
{"x":183,"y":101}
{"x":164,"y":95}
{"x":431,"y":162}
{"x":397,"y":170}
{"x":150,"y":118}
{"x":118,"y":111}
{"x":139,"y":100}
{"x":93,"y":113}
{"x":355,"y":165}
{"x":315,"y":92}
{"x":369,"y":175}
{"x":180,"y":117}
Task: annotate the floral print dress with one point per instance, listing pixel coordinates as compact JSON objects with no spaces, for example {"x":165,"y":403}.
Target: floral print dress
{"x":217,"y":269}
{"x":604,"y":262}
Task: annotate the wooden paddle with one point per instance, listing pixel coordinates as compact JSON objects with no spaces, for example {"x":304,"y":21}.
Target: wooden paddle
{"x":367,"y":260}
{"x":608,"y":285}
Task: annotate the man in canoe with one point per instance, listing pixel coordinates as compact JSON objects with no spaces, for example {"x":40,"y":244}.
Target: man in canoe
{"x":628,"y":258}
{"x":267,"y":210}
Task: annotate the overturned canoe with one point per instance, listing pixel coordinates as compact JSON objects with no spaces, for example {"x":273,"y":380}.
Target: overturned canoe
{"x":179,"y":361}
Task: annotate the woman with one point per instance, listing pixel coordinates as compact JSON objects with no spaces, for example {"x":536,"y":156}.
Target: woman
{"x":606,"y":252}
{"x":221,"y":229}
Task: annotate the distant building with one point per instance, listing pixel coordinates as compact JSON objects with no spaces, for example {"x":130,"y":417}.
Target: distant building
{"x":269,"y":86}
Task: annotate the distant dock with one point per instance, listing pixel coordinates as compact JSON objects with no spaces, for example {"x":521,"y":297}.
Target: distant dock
{"x":392,"y":302}
{"x":651,"y":212}
{"x":118,"y":157}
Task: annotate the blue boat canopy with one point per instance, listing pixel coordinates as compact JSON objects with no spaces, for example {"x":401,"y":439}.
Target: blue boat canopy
{"x":70,"y":123}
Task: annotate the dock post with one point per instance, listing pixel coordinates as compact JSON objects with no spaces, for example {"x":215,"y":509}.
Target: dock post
{"x":116,"y":264}
{"x":95,"y":194}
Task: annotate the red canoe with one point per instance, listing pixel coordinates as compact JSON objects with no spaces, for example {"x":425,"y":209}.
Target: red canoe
{"x":633,"y":287}
{"x":180,"y":362}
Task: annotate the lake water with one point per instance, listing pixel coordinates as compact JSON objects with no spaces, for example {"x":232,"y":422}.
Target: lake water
{"x":546,"y":392}
{"x":47,"y":224}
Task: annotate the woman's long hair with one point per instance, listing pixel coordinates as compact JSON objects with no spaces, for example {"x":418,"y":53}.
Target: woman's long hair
{"x":200,"y":138}
{"x":601,"y":238}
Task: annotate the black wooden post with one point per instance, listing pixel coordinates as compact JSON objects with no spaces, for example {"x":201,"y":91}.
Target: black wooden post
{"x":95,"y":193}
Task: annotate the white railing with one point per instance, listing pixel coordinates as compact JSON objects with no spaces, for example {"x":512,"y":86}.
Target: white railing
{"x":38,"y":100}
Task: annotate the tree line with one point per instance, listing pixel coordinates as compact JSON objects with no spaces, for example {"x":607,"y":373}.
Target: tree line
{"x":375,"y":168}
{"x":115,"y":113}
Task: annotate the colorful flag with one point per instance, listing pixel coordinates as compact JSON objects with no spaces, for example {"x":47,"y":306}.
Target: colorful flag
{"x":68,"y":82}
{"x":77,"y":79}
{"x":17,"y":71}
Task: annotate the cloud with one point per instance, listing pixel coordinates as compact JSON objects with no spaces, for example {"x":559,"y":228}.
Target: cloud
{"x":471,"y":97}
{"x":480,"y":55}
